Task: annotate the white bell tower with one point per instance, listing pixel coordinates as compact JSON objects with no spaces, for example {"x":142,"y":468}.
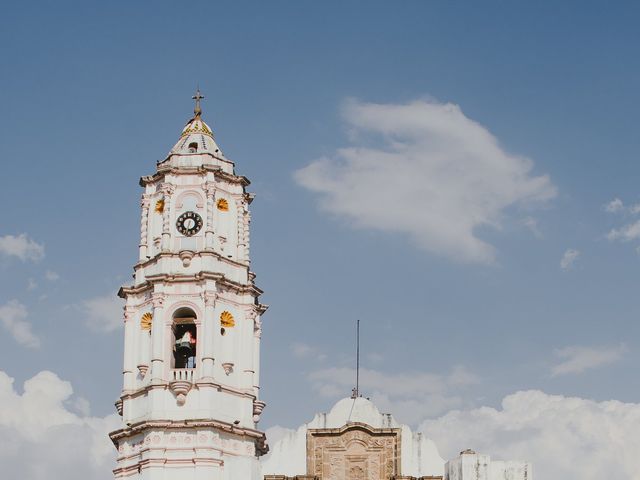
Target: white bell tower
{"x":190,"y":401}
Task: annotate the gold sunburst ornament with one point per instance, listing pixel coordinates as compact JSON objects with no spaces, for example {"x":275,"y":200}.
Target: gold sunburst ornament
{"x":160,"y":205}
{"x":227,"y":320}
{"x":222,"y":204}
{"x":146,"y":321}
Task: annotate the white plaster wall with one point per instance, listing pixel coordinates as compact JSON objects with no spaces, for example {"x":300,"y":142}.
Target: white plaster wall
{"x":473,"y":466}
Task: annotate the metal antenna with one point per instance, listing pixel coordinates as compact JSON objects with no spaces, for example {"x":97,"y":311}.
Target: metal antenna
{"x":355,"y":393}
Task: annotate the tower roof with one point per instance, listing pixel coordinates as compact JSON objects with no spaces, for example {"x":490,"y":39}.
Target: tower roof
{"x":196,"y":136}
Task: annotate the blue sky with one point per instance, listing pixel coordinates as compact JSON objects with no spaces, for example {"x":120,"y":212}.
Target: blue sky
{"x":93,"y":94}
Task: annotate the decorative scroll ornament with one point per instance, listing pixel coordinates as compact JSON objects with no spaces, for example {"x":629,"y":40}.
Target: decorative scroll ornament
{"x":227,"y":320}
{"x":228,"y":368}
{"x":222,"y":204}
{"x":160,"y":205}
{"x":146,"y":321}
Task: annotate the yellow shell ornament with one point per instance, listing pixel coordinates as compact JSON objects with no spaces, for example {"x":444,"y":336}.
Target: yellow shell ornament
{"x":146,"y":321}
{"x":160,"y":205}
{"x":227,"y":320}
{"x":222,"y":204}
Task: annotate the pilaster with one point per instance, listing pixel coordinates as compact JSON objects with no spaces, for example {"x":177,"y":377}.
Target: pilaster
{"x":144,"y":226}
{"x":208,"y":335}
{"x":210,"y":190}
{"x":157,"y":340}
{"x":167,"y":190}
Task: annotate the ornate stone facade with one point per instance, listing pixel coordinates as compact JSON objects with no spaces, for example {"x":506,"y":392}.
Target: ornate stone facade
{"x":355,"y":451}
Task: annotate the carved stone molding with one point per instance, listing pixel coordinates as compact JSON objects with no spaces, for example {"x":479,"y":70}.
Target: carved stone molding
{"x":186,"y":256}
{"x":167,"y":188}
{"x":157,"y":300}
{"x":128,"y":313}
{"x":257,"y":327}
{"x":210,"y":188}
{"x":228,"y":367}
{"x":258,"y":407}
{"x":145,"y":200}
{"x":209,"y":299}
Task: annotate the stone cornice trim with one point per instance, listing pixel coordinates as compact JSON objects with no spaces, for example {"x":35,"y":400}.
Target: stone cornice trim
{"x":354,"y":426}
{"x":165,"y":170}
{"x":202,"y":253}
{"x":200,"y":383}
{"x":164,"y":278}
{"x":140,"y":427}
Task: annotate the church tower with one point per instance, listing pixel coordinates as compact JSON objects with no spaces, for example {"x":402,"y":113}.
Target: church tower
{"x":190,"y":401}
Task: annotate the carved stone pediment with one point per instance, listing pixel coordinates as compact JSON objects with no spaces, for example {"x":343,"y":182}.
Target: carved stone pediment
{"x":354,"y":452}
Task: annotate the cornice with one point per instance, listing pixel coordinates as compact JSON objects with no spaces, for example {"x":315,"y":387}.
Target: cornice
{"x":140,"y":427}
{"x":353,"y":426}
{"x":200,"y":383}
{"x":202,"y":253}
{"x":165,"y":278}
{"x":165,"y":170}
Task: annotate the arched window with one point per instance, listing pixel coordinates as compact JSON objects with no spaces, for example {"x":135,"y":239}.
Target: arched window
{"x":185,"y":335}
{"x":193,"y":147}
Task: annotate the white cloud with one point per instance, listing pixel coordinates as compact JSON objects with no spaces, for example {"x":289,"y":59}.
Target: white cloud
{"x":426,"y":170}
{"x":614,"y":206}
{"x":13,"y":316}
{"x":411,"y":395}
{"x":627,"y":233}
{"x":569,"y":258}
{"x":617,"y":206}
{"x":532,"y":224}
{"x":31,"y":284}
{"x":40,"y":438}
{"x":51,"y":276}
{"x":577,"y":359}
{"x":103,"y":313}
{"x":569,"y":438}
{"x":22,"y":247}
{"x":303,"y":350}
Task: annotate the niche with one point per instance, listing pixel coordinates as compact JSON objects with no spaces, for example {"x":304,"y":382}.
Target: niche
{"x":185,"y":335}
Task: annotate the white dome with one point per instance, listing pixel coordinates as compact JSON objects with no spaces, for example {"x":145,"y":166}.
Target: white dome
{"x":196,"y":137}
{"x":352,"y":410}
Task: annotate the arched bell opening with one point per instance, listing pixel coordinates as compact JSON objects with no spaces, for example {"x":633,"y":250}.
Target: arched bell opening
{"x":185,"y":336}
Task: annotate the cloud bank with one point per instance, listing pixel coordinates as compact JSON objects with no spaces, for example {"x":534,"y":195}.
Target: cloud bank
{"x":564,"y":437}
{"x":425,"y":170}
{"x":42,"y":438}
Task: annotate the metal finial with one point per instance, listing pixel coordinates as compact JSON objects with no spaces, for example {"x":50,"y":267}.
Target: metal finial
{"x":197,"y":97}
{"x":356,"y":391}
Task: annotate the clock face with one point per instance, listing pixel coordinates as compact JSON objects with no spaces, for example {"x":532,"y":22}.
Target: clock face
{"x":189,"y":223}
